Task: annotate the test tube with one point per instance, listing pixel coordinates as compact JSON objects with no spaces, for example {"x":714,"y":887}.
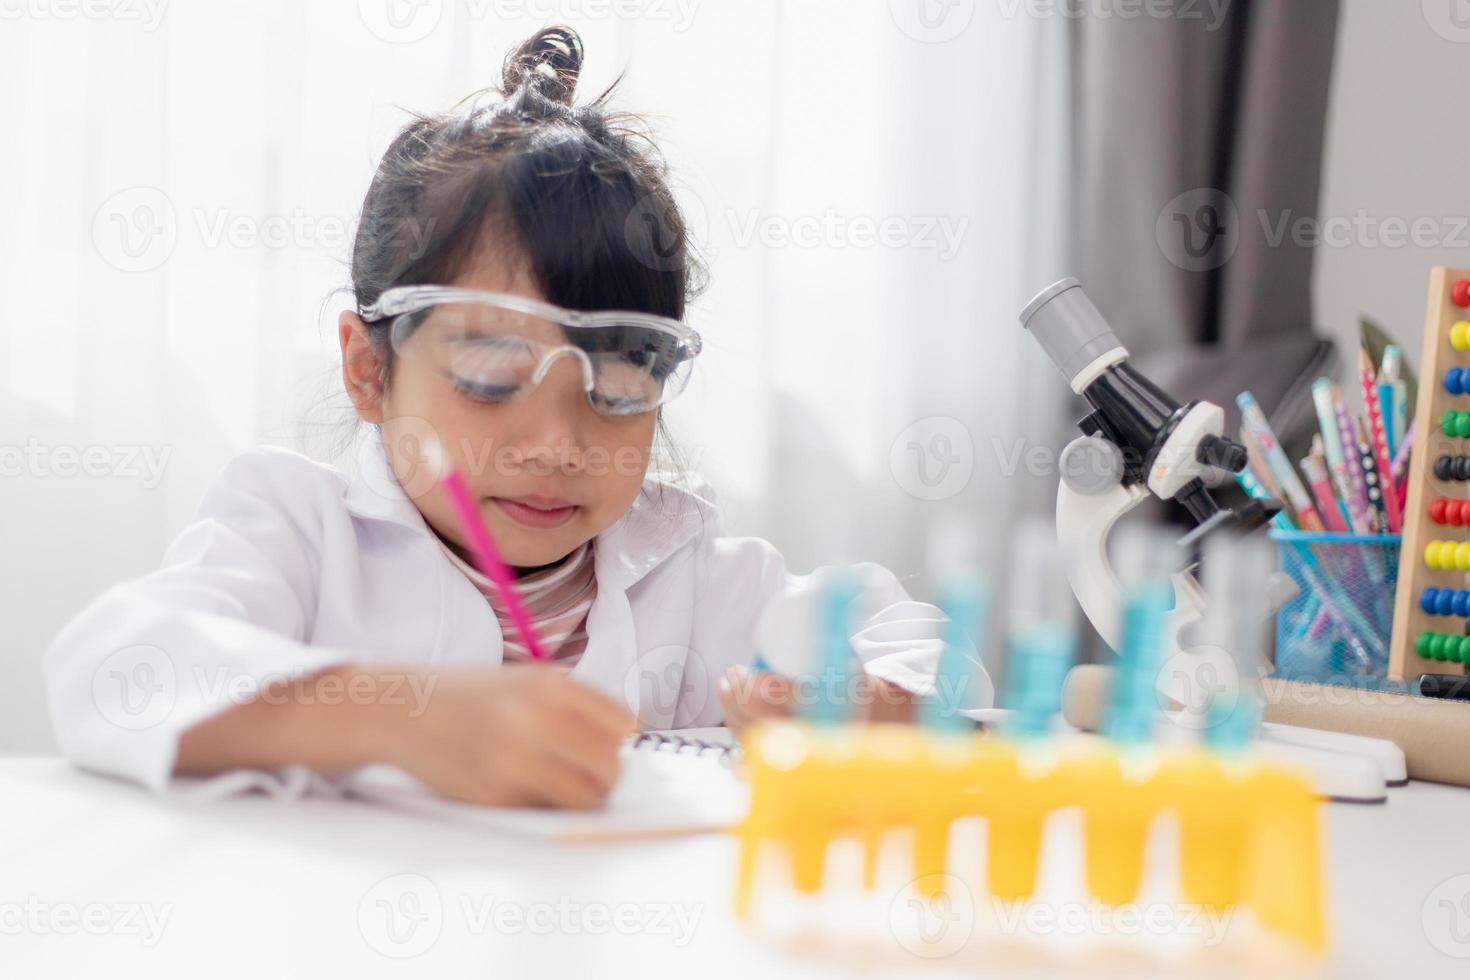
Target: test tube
{"x":1236,"y":619}
{"x":1042,"y":636}
{"x":961,"y":593}
{"x":831,"y":702}
{"x":1147,"y":557}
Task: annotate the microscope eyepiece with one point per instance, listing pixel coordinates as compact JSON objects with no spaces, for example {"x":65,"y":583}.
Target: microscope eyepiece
{"x":1166,"y":445}
{"x":1072,"y":332}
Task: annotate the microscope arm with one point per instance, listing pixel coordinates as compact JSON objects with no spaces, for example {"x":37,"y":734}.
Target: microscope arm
{"x":1086,"y":512}
{"x":1084,"y":521}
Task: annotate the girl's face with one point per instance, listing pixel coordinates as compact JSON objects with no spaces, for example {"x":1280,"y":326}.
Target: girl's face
{"x":549,"y":471}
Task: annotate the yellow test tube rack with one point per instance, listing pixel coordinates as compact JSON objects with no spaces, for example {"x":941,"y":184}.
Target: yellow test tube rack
{"x":1248,"y":831}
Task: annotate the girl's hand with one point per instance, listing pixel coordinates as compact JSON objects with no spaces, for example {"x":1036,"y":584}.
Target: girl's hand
{"x":749,"y":696}
{"x":515,"y":736}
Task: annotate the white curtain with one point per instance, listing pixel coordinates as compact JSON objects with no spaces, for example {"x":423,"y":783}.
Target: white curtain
{"x":876,"y":185}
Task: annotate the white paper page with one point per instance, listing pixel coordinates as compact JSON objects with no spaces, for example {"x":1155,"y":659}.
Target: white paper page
{"x":659,"y":793}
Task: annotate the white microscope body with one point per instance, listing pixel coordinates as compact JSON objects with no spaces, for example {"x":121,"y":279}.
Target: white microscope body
{"x":1139,"y":442}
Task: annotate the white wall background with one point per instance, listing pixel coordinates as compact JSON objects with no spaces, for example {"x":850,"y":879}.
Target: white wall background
{"x":180,"y":181}
{"x":1396,"y":152}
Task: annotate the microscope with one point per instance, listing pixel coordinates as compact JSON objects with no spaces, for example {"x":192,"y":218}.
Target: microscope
{"x":1137,"y":442}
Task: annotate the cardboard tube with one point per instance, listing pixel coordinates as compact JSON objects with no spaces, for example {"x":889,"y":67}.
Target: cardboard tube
{"x":1432,"y":733}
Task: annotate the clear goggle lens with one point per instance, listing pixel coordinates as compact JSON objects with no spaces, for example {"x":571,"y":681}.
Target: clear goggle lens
{"x":495,"y":354}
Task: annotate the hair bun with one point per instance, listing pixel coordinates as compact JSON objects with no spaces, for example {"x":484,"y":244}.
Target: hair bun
{"x":550,"y":60}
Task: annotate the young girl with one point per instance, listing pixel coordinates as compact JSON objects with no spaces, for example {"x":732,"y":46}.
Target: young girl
{"x":308,"y":623}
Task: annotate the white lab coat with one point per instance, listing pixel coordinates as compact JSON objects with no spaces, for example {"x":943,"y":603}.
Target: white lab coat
{"x":290,"y":567}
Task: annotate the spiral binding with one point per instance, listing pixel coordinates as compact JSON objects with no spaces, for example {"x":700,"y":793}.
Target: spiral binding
{"x":657,"y":741}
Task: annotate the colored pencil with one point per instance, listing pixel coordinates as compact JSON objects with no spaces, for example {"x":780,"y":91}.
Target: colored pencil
{"x":1365,"y":516}
{"x":1378,"y":440}
{"x":1342,"y":459}
{"x":486,"y":556}
{"x":1328,"y":445}
{"x":1376,"y":493}
{"x":1255,"y":428}
{"x":1402,"y":424}
{"x":1316,"y":473}
{"x":1401,"y":458}
{"x":1391,"y":372}
{"x":1385,"y":412}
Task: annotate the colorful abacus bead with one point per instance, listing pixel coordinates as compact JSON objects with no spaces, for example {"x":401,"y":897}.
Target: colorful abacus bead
{"x":1460,"y":293}
{"x":1448,"y":467}
{"x":1454,"y":381}
{"x":1460,"y":336}
{"x":1445,"y":602}
{"x":1449,"y":556}
{"x":1442,"y":647}
{"x":1454,"y":513}
{"x":1455,"y":424}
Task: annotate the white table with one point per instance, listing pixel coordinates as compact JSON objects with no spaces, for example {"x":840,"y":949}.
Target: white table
{"x":252,"y":887}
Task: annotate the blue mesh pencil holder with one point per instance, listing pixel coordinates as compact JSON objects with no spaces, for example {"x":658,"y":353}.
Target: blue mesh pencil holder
{"x":1337,"y":629}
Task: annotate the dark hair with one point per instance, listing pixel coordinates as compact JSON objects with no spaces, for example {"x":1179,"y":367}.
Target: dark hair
{"x":578,"y":193}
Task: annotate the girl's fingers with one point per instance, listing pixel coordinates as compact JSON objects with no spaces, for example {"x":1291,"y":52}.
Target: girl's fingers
{"x":748,"y":697}
{"x":774,"y":692}
{"x":567,"y":737}
{"x":743,"y":687}
{"x":735,"y":697}
{"x":735,"y":717}
{"x":599,"y":710}
{"x":554,"y":782}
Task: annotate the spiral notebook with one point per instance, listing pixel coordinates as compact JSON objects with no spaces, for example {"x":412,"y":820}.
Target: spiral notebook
{"x":716,"y":743}
{"x":673,"y":782}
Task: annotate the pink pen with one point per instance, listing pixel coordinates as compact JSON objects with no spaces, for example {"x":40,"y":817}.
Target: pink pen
{"x":1378,"y":440}
{"x":1322,"y":490}
{"x":482,"y":549}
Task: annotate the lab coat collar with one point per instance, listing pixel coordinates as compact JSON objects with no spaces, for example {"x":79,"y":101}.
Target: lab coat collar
{"x":662,"y":519}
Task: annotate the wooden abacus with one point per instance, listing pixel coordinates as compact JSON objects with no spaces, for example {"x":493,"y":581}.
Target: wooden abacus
{"x":1432,"y":605}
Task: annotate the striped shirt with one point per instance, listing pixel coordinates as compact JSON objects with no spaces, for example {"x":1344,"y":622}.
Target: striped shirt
{"x":557,"y":600}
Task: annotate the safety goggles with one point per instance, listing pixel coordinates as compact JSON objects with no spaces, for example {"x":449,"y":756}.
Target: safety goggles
{"x":495,"y":347}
